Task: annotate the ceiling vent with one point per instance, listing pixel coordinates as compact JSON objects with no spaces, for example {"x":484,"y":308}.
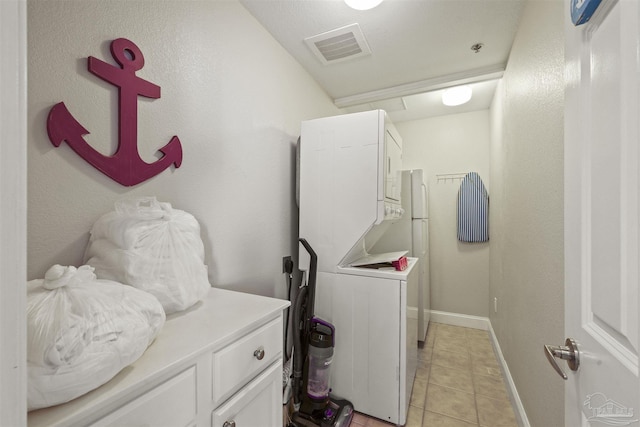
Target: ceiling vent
{"x":339,"y":45}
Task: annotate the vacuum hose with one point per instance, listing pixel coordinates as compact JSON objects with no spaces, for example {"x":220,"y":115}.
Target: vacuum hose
{"x":298,"y":355}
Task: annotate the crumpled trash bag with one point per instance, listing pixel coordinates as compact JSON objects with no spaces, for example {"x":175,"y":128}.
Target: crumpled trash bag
{"x":82,"y":331}
{"x":153,"y":247}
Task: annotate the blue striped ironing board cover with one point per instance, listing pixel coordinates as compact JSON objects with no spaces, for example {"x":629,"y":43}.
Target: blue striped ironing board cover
{"x":473,"y":209}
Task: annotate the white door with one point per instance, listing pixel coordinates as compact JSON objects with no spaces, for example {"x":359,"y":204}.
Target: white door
{"x":602,"y":215}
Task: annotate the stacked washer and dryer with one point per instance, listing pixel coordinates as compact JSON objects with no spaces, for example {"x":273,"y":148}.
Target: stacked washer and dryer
{"x":350,"y":183}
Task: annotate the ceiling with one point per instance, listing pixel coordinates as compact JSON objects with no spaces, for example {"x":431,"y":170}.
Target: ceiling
{"x":417,"y":48}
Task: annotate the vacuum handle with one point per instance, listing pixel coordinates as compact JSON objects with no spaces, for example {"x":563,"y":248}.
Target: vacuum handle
{"x":317,"y":321}
{"x":311,"y":282}
{"x":313,"y":266}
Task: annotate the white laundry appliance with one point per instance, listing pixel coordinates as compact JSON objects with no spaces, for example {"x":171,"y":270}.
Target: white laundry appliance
{"x":411,"y":233}
{"x":349,"y":193}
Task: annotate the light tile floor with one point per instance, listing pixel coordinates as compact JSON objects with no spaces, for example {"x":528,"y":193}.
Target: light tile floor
{"x":458,"y":383}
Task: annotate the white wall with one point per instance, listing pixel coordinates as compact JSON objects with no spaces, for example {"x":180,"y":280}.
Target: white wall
{"x":526,"y":218}
{"x":441,"y":145}
{"x":233,"y":96}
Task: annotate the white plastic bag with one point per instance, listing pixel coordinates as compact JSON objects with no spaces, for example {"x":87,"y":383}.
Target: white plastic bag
{"x":151,"y":246}
{"x":82,"y":331}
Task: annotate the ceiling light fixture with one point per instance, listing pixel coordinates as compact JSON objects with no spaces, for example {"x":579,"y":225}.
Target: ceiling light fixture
{"x":362,"y":4}
{"x":456,"y":95}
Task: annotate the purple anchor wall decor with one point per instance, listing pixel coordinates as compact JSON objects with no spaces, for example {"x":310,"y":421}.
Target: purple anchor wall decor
{"x":125,"y":166}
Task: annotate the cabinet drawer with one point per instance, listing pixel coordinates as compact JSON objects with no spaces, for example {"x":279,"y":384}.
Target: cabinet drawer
{"x":172,"y":403}
{"x":257,"y":404}
{"x":239,"y":362}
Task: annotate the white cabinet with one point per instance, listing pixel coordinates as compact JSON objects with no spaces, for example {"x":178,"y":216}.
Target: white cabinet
{"x":218,"y":362}
{"x":258,"y":404}
{"x":237,"y":363}
{"x":171,"y":403}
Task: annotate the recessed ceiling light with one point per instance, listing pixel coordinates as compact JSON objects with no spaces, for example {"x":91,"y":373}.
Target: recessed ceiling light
{"x":362,"y":4}
{"x":456,"y":95}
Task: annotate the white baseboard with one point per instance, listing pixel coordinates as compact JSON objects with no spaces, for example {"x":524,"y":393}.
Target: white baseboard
{"x":484,"y":324}
{"x":412,"y":312}
{"x":521,"y":415}
{"x":455,"y":319}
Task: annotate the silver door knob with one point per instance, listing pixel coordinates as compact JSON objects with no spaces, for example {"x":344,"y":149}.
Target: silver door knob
{"x":569,"y":352}
{"x":229,"y":424}
{"x":259,"y":353}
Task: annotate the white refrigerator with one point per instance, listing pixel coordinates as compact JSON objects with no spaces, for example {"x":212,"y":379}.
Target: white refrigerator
{"x":411,"y":233}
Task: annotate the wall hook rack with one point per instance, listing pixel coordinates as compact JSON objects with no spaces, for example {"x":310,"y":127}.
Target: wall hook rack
{"x":452,"y":177}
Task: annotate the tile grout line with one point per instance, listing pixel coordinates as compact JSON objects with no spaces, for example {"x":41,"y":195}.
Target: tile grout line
{"x":473,"y":384}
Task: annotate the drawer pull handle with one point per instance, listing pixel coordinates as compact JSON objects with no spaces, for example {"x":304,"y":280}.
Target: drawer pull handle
{"x":258,"y":354}
{"x":229,"y":424}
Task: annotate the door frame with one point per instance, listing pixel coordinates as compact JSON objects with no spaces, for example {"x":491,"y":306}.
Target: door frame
{"x":13,"y":211}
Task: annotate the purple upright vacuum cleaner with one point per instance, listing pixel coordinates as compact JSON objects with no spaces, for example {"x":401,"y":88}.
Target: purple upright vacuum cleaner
{"x":314,"y":340}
